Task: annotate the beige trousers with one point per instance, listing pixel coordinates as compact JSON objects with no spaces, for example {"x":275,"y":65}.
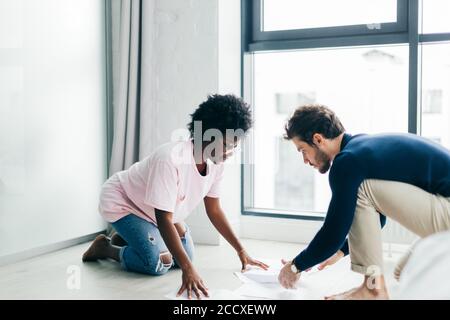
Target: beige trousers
{"x":420,"y":212}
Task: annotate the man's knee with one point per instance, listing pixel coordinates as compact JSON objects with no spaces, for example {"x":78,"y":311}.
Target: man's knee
{"x":367,"y":194}
{"x":364,"y":188}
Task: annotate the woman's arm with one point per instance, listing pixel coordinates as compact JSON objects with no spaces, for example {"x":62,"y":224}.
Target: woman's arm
{"x":172,"y":239}
{"x":191,"y":281}
{"x":220,"y":222}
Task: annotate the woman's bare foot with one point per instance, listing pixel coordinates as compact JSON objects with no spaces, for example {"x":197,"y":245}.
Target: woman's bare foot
{"x":98,"y":249}
{"x":117,"y":240}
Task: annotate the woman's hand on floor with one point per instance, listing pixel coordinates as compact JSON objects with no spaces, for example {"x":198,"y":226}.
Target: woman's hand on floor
{"x":192,"y":283}
{"x":247,"y":260}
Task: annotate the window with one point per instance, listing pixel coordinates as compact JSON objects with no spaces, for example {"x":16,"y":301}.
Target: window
{"x":306,"y":14}
{"x":361,"y":84}
{"x":432,"y":101}
{"x":294,"y":19}
{"x":371,"y":65}
{"x":435,"y":16}
{"x":436,"y":92}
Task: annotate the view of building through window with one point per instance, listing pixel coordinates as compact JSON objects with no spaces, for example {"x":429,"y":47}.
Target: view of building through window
{"x":303,"y":14}
{"x":367,"y":88}
{"x":435,"y":16}
{"x":436,"y":92}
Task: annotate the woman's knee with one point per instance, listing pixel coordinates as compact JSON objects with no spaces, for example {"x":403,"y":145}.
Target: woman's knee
{"x":158,"y":263}
{"x":190,"y":253}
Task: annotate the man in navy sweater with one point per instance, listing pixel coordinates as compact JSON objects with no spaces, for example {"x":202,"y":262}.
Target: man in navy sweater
{"x":401,"y":176}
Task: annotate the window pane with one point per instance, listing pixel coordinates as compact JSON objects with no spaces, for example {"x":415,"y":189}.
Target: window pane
{"x":366,"y":87}
{"x":304,"y":14}
{"x":436,"y":16}
{"x":436,"y":92}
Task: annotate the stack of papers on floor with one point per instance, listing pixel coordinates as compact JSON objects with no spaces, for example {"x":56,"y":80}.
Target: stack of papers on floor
{"x":219,"y":294}
{"x":314,"y":284}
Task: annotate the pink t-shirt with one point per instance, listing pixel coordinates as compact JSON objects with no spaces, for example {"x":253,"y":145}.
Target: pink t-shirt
{"x":167,"y":180}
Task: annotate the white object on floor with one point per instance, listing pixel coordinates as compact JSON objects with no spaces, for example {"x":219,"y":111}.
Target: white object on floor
{"x":425,"y":275}
{"x":263,"y":284}
{"x":313,"y":284}
{"x":275,"y":292}
{"x":219,"y":294}
{"x":259,"y":275}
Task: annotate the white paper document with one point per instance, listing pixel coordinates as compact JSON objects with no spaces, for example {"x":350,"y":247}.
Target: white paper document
{"x":259,"y":275}
{"x":313,"y":284}
{"x":219,"y":294}
{"x":262,"y":284}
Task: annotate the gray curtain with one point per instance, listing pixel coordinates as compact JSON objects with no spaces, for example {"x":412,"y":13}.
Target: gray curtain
{"x":129,"y":44}
{"x":129,"y":41}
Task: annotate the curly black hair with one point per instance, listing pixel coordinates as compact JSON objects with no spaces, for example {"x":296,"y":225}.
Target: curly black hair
{"x":222,"y":112}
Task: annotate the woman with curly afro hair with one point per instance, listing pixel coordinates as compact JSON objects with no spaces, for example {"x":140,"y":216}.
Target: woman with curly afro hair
{"x":148,"y":203}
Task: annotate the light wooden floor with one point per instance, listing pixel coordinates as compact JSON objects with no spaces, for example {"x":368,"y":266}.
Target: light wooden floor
{"x":45,"y":277}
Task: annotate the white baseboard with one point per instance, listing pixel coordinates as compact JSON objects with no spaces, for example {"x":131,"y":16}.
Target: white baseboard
{"x":205,"y":233}
{"x":31,"y":253}
{"x":278,"y":229}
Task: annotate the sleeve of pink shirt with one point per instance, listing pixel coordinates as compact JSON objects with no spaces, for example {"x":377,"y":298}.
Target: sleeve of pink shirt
{"x":214,"y":191}
{"x":162,"y":186}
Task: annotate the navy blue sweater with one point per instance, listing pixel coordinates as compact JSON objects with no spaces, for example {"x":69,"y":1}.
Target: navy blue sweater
{"x":397,"y":157}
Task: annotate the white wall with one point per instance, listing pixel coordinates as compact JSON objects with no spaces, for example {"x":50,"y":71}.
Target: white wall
{"x":230,"y":82}
{"x":52,"y":121}
{"x":196,"y":52}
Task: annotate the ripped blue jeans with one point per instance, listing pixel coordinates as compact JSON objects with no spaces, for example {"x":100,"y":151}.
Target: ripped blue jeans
{"x":145,"y":247}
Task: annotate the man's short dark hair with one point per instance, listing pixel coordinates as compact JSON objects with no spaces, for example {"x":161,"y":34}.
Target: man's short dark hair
{"x":311,"y":119}
{"x":222,"y":112}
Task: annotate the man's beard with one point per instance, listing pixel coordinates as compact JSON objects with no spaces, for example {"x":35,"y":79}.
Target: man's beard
{"x":322,"y":160}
